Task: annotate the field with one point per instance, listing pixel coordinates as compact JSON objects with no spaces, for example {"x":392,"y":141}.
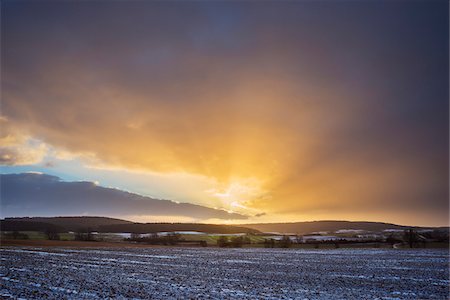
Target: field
{"x":169,"y":273}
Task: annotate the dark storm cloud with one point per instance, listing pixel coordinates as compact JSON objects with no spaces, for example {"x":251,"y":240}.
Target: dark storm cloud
{"x":30,"y":194}
{"x":333,"y":105}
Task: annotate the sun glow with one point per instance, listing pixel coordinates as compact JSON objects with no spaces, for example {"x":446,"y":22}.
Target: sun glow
{"x":273,"y":121}
{"x":238,"y":194}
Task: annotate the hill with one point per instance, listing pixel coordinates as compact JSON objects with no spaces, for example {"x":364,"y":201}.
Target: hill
{"x":63,"y":223}
{"x":104,"y":224}
{"x":14,"y":225}
{"x":330,"y":226}
{"x":160,"y":227}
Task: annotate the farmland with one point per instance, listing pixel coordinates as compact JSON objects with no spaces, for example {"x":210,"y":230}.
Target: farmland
{"x":165,"y":273}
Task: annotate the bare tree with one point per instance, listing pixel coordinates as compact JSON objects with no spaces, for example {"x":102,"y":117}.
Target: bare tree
{"x":411,"y":237}
{"x":285,"y":242}
{"x":223,"y":241}
{"x":52,"y":234}
{"x":135,"y":236}
{"x":84,"y":234}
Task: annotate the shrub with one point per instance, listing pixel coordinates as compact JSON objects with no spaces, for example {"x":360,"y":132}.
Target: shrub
{"x":52,"y":234}
{"x":285,"y":242}
{"x":222,"y":241}
{"x":84,"y":234}
{"x":237,"y":241}
{"x":16,"y":235}
{"x":269,"y":243}
{"x":155,"y":239}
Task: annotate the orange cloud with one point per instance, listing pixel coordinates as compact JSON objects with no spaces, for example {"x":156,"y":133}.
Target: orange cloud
{"x":304,"y":122}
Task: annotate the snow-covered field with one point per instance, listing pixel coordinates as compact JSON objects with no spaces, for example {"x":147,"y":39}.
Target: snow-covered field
{"x":183,"y":273}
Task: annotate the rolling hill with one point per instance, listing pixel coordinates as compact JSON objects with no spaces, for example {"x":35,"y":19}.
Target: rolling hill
{"x":64,"y":223}
{"x":104,"y":224}
{"x":329,"y":226}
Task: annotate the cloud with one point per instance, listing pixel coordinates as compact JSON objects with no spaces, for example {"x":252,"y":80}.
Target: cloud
{"x":333,"y":108}
{"x":16,"y":148}
{"x":33,"y":194}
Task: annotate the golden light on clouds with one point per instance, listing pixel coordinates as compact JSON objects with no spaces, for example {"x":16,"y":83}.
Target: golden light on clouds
{"x":18,"y":148}
{"x":286,"y":118}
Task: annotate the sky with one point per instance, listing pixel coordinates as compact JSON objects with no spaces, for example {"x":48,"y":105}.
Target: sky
{"x":275,"y":110}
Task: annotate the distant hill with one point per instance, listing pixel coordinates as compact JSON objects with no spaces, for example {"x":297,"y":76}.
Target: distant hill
{"x":330,"y":226}
{"x":66,"y":223}
{"x":13,"y":225}
{"x":104,"y":224}
{"x":158,"y":227}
